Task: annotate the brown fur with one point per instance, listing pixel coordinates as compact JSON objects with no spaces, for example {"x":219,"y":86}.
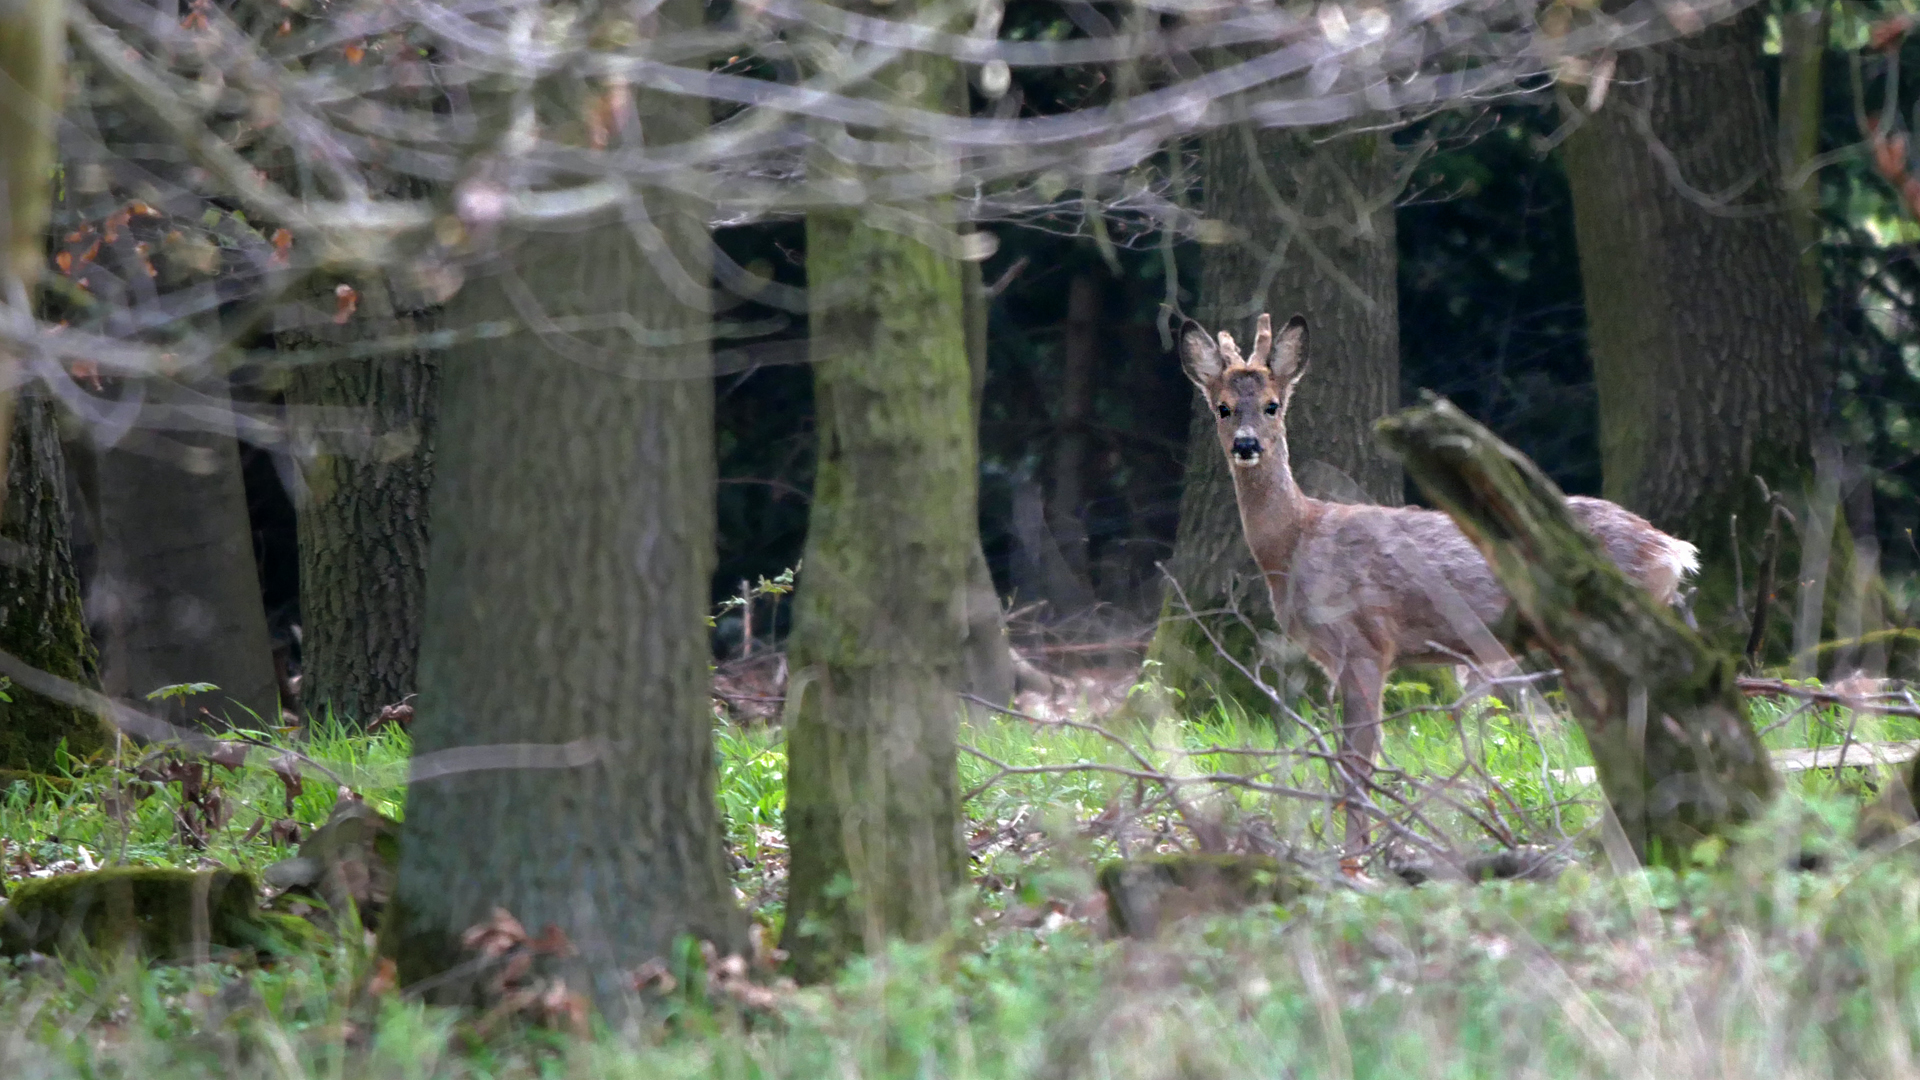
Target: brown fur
{"x":1368,"y":588}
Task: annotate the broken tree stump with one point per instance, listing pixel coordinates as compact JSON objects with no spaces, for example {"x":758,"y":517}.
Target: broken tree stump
{"x":1675,"y":752}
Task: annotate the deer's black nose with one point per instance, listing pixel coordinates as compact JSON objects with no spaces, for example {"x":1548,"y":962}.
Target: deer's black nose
{"x":1246,"y":446}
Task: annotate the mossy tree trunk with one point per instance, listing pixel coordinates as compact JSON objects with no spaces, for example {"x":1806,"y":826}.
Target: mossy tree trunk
{"x":1675,"y":751}
{"x":564,"y":650}
{"x":1803,"y":51}
{"x":41,"y":621}
{"x":1704,"y":352}
{"x":873,"y":815}
{"x":363,"y":527}
{"x":33,"y":70}
{"x":1264,"y":186}
{"x":177,"y":588}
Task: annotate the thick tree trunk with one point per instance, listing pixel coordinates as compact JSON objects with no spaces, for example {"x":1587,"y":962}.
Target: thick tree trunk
{"x":177,"y":589}
{"x":873,"y":815}
{"x":1263,"y":185}
{"x":41,"y":621}
{"x":1703,"y":351}
{"x":564,"y":648}
{"x":1674,"y":749}
{"x":363,"y":531}
{"x":1803,"y":49}
{"x":32,"y":70}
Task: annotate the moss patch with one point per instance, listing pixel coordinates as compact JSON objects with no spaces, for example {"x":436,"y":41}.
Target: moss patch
{"x":167,"y":914}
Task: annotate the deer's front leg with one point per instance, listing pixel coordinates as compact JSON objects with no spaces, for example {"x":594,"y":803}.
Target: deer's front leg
{"x":1361,"y":685}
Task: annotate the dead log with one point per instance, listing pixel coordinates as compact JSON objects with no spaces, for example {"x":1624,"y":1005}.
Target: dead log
{"x":1676,"y":754}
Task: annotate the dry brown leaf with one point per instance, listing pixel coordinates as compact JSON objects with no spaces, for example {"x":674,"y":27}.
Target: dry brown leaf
{"x":287,"y":768}
{"x":385,"y":980}
{"x":400,"y":713}
{"x":564,"y":1009}
{"x":496,"y":936}
{"x":231,"y":754}
{"x":1887,"y":34}
{"x":653,"y":975}
{"x":552,"y":942}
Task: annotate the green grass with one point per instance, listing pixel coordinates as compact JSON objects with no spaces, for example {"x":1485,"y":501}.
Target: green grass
{"x":57,"y":824}
{"x":1738,"y":967}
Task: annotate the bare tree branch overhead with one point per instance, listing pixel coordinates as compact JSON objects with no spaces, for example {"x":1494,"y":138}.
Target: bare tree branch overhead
{"x":315,"y":121}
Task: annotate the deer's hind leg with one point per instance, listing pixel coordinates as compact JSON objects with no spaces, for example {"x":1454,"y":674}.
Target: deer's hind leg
{"x":1362,"y":681}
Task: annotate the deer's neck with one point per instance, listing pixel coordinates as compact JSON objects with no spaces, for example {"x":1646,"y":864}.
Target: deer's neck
{"x":1273,"y":511}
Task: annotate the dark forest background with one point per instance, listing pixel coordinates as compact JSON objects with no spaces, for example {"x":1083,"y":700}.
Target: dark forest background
{"x":1490,"y":315}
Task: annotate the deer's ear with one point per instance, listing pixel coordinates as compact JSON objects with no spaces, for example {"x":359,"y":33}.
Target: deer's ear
{"x":1199,"y":355}
{"x":1288,"y":361}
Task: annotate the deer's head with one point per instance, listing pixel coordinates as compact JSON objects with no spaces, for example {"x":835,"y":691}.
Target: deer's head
{"x":1248,"y":396}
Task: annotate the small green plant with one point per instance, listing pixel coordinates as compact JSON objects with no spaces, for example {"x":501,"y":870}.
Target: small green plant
{"x":180,"y":691}
{"x":779,"y":585}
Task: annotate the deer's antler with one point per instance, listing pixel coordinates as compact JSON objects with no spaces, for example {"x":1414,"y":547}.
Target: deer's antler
{"x":1262,"y":339}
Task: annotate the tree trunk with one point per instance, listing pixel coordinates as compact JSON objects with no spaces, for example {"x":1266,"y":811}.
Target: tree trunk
{"x":873,"y":814}
{"x":564,"y":648}
{"x":41,"y":622}
{"x":1067,"y":507}
{"x":363,"y":531}
{"x":177,"y":588}
{"x":989,"y":660}
{"x":1261,"y":185}
{"x":1703,"y":351}
{"x":1803,"y":49}
{"x":33,"y":72}
{"x":1674,"y":749}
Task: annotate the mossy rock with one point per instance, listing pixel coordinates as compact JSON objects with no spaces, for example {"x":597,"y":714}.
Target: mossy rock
{"x":1145,"y":894}
{"x":165,"y":913}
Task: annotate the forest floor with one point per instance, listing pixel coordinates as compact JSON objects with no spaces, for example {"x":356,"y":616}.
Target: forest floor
{"x":1741,"y":965}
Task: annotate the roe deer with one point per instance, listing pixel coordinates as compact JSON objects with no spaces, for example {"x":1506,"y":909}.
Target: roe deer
{"x":1368,"y":588}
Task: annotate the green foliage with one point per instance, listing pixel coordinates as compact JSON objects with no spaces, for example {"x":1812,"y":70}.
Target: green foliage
{"x":1736,"y":960}
{"x":181,"y":691}
{"x":1745,"y":969}
{"x":65,"y":818}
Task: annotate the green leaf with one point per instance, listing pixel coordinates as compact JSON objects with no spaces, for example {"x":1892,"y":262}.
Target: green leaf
{"x":181,"y":690}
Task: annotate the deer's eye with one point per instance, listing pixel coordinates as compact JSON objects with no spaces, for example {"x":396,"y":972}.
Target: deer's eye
{"x":1225,"y":410}
{"x":1273,"y":408}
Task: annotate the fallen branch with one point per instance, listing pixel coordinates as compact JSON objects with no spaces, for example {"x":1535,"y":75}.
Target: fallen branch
{"x":1881,"y":703}
{"x":1674,"y":749}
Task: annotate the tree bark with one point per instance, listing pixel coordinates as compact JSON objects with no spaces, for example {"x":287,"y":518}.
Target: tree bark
{"x":1803,"y":49}
{"x":1263,"y":186}
{"x":1067,"y":506}
{"x":989,"y":656}
{"x":1703,"y":350}
{"x":1674,"y":749}
{"x":33,"y":70}
{"x":177,"y":588}
{"x":41,"y":621}
{"x":564,"y":653}
{"x":873,"y":814}
{"x":363,"y":530}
